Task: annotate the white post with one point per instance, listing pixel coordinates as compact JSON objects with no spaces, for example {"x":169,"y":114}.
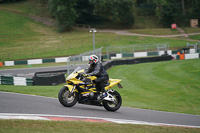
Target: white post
{"x":93,"y":30}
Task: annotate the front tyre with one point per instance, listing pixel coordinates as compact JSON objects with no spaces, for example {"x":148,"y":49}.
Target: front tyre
{"x":64,"y":98}
{"x":113,"y":106}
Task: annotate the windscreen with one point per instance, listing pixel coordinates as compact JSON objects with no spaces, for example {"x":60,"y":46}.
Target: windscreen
{"x":77,"y":69}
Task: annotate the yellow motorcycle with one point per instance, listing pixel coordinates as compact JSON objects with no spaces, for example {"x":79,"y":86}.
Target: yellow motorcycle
{"x":82,"y":90}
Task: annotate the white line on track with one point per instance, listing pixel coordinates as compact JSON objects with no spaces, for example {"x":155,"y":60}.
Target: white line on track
{"x":119,"y":121}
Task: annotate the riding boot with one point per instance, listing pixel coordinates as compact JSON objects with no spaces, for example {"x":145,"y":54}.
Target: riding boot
{"x":104,"y":93}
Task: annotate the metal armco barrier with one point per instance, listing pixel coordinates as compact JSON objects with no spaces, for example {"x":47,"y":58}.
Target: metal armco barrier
{"x":111,"y":63}
{"x":49,"y":77}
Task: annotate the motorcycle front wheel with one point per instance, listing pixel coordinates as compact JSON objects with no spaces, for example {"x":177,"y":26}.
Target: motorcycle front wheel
{"x":113,"y":106}
{"x":64,"y":98}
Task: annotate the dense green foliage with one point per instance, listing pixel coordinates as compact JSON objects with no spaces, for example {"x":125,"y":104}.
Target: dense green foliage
{"x":85,"y":10}
{"x":171,"y":11}
{"x":195,"y":10}
{"x":64,"y":12}
{"x":114,"y":10}
{"x":91,"y":11}
{"x":8,"y":1}
{"x":119,"y":12}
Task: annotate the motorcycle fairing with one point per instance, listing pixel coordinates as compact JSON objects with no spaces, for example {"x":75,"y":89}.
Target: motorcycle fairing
{"x":70,"y":87}
{"x":112,"y":82}
{"x":86,"y":88}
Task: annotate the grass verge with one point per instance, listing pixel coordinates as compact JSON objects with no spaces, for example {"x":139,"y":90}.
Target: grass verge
{"x":48,"y":91}
{"x":169,"y":86}
{"x":24,"y":126}
{"x":191,"y":30}
{"x":156,"y":31}
{"x":195,"y":37}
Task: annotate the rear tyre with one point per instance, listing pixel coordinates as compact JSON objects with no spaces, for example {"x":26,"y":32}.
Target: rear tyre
{"x":113,"y":106}
{"x":64,"y":98}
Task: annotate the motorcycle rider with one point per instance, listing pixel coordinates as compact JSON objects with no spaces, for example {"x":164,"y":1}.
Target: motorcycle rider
{"x":97,"y":69}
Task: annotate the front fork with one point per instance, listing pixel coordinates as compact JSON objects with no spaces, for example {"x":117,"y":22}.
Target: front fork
{"x":71,"y":93}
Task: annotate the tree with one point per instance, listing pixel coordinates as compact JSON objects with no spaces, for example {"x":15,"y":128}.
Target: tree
{"x":64,"y":12}
{"x":8,"y":1}
{"x":84,"y":9}
{"x":169,"y":11}
{"x":114,"y":10}
{"x":195,"y":9}
{"x":67,"y":12}
{"x":183,"y":6}
{"x":125,"y":11}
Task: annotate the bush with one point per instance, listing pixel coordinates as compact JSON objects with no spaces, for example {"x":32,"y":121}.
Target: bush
{"x":64,"y":12}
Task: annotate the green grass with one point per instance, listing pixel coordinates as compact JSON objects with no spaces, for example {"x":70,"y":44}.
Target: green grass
{"x":156,"y":31}
{"x":24,"y":126}
{"x":191,"y":30}
{"x":167,"y":86}
{"x":48,"y":91}
{"x":29,"y":7}
{"x":14,"y":25}
{"x":195,"y":37}
{"x":145,"y":22}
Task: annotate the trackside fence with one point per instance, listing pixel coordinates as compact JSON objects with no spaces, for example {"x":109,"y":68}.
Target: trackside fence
{"x":81,"y":60}
{"x":123,"y":51}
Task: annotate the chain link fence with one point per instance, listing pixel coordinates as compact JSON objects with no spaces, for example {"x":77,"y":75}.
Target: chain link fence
{"x":82,"y":60}
{"x":195,"y":46}
{"x":131,"y":49}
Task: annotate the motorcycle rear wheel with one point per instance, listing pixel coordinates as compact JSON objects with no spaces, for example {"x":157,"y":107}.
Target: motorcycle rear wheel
{"x":110,"y":106}
{"x":64,"y":98}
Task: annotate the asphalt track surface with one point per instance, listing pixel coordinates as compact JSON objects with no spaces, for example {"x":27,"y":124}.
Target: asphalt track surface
{"x":29,"y":104}
{"x":13,"y":103}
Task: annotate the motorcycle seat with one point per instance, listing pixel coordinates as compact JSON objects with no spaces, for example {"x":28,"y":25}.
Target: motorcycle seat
{"x":107,"y":84}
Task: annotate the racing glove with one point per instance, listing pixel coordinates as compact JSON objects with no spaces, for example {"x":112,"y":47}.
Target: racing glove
{"x":85,"y":75}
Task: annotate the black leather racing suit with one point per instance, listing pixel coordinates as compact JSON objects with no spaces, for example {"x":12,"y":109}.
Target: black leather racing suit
{"x":99,"y":71}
